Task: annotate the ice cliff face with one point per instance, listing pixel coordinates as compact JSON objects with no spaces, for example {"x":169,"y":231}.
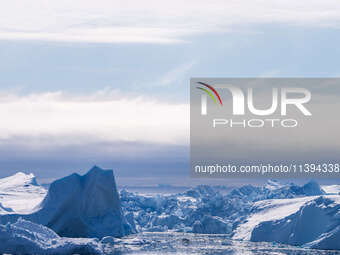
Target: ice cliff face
{"x":316,"y":224}
{"x":81,"y":206}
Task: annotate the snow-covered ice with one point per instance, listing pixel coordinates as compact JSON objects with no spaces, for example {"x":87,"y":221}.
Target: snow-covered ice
{"x":268,"y":210}
{"x":20,"y":193}
{"x":205,"y":210}
{"x":316,"y":225}
{"x":331,"y":189}
{"x":239,"y":214}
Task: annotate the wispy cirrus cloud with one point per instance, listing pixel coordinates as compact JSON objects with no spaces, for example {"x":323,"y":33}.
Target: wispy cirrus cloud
{"x":152,"y":21}
{"x":176,"y":73}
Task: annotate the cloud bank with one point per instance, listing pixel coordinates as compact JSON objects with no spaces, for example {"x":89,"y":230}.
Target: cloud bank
{"x":102,"y":117}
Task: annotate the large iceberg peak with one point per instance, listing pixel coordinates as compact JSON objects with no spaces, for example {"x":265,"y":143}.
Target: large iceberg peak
{"x":80,"y":206}
{"x":84,"y":206}
{"x":312,"y":188}
{"x":94,"y":193}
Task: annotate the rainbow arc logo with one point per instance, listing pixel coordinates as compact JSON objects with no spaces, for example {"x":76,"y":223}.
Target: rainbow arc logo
{"x":210,"y":89}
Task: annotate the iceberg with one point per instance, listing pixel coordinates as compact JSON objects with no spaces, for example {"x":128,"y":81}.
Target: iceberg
{"x":205,"y":210}
{"x":316,"y":225}
{"x":212,"y":225}
{"x":20,"y":193}
{"x":25,"y":237}
{"x":312,"y":188}
{"x":80,"y":206}
{"x":276,"y":190}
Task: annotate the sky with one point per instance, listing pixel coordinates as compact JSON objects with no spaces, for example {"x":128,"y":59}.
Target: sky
{"x":106,"y":83}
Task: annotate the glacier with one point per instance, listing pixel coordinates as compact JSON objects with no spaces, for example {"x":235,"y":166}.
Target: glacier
{"x":275,"y":212}
{"x":205,"y":210}
{"x":86,"y":213}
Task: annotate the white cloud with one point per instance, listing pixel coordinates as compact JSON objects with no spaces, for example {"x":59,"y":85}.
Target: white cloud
{"x":55,"y":120}
{"x":152,"y":21}
{"x":100,"y":117}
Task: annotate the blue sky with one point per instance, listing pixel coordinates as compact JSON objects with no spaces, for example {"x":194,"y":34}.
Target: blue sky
{"x":71,"y":71}
{"x":164,"y":69}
